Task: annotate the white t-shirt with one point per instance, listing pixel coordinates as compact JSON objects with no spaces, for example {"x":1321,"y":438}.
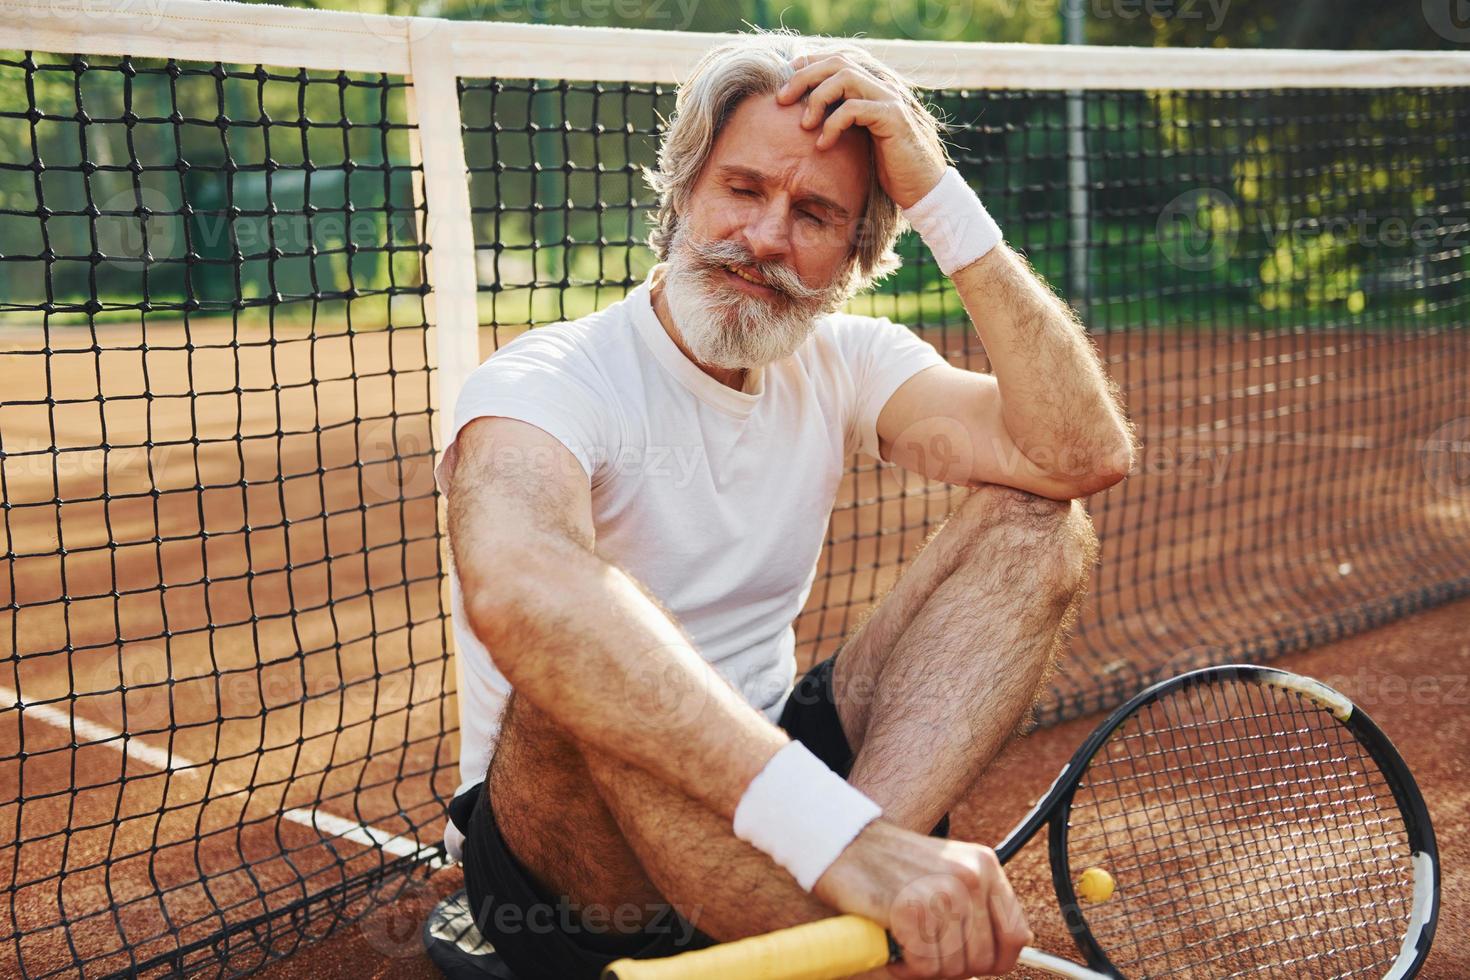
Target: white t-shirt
{"x":716,"y":500}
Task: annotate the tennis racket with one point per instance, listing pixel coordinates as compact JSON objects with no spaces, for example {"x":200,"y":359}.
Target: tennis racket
{"x":1227,"y":822}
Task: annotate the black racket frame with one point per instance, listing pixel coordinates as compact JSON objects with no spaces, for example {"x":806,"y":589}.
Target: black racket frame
{"x":1054,"y":807}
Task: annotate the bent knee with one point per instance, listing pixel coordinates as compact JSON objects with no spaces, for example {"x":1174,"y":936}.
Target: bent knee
{"x":995,"y":503}
{"x":1048,"y":520}
{"x":1056,"y":536}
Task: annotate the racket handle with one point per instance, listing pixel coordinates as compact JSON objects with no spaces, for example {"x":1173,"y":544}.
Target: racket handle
{"x":821,"y":950}
{"x":1056,"y":966}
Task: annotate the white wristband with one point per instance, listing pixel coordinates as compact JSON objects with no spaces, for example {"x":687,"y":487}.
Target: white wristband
{"x":953,"y":223}
{"x":801,"y":813}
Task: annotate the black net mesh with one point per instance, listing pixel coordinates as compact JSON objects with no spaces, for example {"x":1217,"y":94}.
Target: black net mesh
{"x":1247,"y":833}
{"x":227,"y":694}
{"x":1277,"y":280}
{"x":220,"y":594}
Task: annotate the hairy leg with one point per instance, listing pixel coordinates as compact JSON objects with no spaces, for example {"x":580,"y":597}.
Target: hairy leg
{"x":720,"y":884}
{"x":968,"y":632}
{"x":930,"y":656}
{"x":606,"y":833}
{"x":553,"y":818}
{"x":949,"y":665}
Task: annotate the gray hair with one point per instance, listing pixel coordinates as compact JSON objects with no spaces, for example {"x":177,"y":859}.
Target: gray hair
{"x":759,"y":64}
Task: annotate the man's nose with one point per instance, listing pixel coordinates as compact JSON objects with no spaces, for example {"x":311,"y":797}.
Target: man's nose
{"x":768,"y":233}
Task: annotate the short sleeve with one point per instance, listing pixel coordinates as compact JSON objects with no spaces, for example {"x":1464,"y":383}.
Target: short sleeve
{"x":543,"y":378}
{"x":881,"y":355}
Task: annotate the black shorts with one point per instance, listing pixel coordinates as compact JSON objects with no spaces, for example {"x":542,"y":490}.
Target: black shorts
{"x":536,"y":932}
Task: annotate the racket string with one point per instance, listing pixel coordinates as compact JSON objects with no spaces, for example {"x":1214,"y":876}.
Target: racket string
{"x":1311,"y":890}
{"x":1247,"y":829}
{"x":1394,"y":912}
{"x":1162,"y":765}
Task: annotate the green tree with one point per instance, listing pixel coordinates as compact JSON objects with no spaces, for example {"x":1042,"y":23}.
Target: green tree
{"x":1330,"y":24}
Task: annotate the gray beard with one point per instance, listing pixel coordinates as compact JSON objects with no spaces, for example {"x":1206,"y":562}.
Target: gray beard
{"x":726,"y":328}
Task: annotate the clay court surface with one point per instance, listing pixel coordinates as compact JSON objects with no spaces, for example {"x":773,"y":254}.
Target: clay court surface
{"x":1380,"y":669}
{"x":281,"y":640}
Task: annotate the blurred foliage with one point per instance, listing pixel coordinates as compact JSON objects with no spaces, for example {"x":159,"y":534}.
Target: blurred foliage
{"x":1344,"y":24}
{"x":304,"y":195}
{"x":1251,"y":207}
{"x":1332,"y":24}
{"x":1245,"y":209}
{"x":998,"y":20}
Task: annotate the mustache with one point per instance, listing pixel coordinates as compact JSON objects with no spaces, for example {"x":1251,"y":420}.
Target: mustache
{"x":718,"y":254}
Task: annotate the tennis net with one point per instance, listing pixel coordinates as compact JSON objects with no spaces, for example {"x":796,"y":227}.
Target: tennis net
{"x":1277,"y":280}
{"x":226,"y":691}
{"x":234,"y":295}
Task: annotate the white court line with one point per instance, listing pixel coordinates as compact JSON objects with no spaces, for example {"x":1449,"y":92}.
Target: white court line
{"x":167,"y":761}
{"x":352,"y":830}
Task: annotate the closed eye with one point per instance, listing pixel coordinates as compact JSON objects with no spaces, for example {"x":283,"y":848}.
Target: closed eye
{"x":807,"y":215}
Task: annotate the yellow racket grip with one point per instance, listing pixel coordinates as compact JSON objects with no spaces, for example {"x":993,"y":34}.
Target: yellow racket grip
{"x":821,"y":950}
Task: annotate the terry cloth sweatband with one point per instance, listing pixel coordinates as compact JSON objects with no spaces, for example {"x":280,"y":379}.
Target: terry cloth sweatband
{"x":801,"y":813}
{"x":953,"y":223}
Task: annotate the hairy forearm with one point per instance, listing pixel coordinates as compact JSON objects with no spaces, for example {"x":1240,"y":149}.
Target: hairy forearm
{"x":582,"y":641}
{"x":1058,"y":405}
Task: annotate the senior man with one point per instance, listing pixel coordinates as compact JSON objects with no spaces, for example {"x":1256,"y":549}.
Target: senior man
{"x":637,"y":502}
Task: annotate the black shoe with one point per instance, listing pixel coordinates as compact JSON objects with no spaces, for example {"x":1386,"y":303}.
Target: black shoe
{"x":455,"y":945}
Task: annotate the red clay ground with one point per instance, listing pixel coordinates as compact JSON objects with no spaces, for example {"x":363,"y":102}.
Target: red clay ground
{"x":1283,"y":477}
{"x":1412,"y":676}
{"x":281,"y":629}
